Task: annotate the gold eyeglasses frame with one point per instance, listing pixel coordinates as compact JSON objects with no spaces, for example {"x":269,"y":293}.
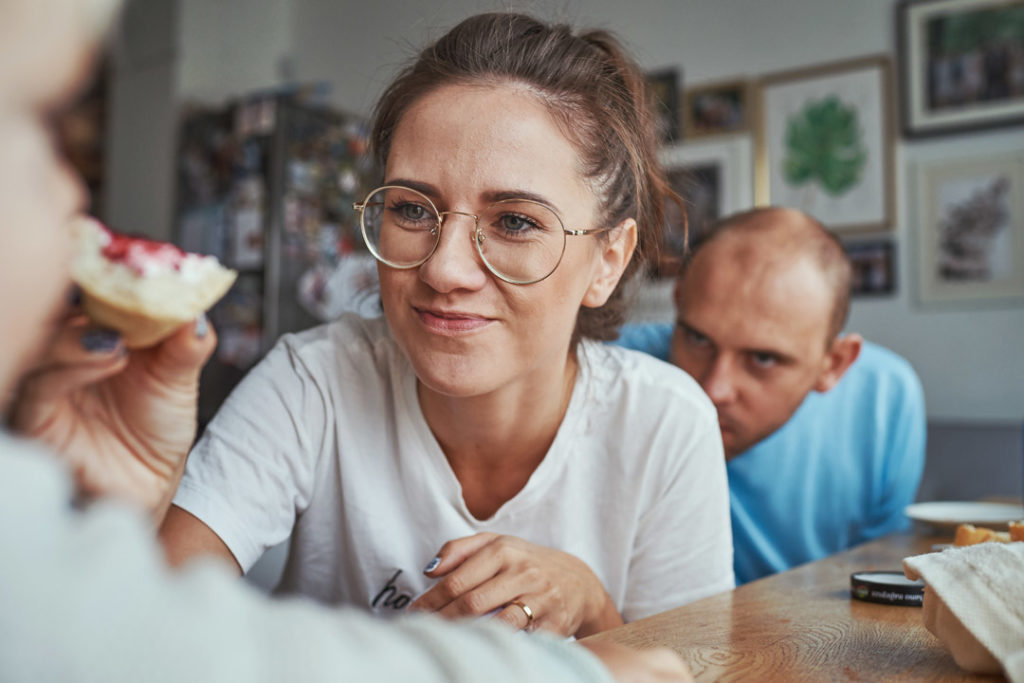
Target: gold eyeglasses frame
{"x":477,"y":235}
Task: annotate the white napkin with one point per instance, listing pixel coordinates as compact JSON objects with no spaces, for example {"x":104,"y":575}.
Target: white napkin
{"x":974,"y":604}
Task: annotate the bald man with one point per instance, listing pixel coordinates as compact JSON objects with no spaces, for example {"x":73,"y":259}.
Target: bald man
{"x":824,"y":433}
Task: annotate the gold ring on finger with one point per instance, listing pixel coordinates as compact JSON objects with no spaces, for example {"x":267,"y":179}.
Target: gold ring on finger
{"x":526,"y":610}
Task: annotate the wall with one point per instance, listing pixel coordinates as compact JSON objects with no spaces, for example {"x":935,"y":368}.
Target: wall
{"x":358,"y":49}
{"x":142,"y":117}
{"x":970,"y":461}
{"x":970,"y":358}
{"x":231,"y":47}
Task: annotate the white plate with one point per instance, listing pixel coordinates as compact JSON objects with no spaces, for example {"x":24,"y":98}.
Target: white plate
{"x":951,"y":514}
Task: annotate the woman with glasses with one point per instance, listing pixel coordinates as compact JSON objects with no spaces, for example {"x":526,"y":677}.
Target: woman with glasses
{"x":476,"y":451}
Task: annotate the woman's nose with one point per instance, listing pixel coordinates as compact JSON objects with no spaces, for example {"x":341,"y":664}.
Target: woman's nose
{"x":455,"y":263}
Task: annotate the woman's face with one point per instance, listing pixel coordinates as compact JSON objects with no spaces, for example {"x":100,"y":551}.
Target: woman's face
{"x":38,"y":196}
{"x":466,"y":331}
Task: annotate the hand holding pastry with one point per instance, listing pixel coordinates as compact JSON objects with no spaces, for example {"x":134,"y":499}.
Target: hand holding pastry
{"x":125,"y":420}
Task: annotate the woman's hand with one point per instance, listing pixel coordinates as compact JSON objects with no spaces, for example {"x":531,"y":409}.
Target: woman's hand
{"x":486,"y":572}
{"x":125,"y":421}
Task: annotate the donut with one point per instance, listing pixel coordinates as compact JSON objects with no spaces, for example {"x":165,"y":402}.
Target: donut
{"x":144,"y":289}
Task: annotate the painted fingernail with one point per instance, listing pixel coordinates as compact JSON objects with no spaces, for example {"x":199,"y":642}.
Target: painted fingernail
{"x":202,"y":326}
{"x":100,"y":341}
{"x":432,"y":565}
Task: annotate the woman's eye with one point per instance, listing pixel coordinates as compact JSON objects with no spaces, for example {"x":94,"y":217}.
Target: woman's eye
{"x":515,"y":223}
{"x":414,"y":212}
{"x":411,"y":212}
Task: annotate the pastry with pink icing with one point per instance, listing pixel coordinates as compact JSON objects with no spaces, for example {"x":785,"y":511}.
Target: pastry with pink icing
{"x":142,"y":288}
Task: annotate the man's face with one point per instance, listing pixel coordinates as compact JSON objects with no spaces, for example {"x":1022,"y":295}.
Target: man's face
{"x":752,"y":331}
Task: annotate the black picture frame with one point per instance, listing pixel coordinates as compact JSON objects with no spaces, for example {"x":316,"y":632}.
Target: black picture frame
{"x":722,"y":108}
{"x":874,"y":267}
{"x":956,"y":65}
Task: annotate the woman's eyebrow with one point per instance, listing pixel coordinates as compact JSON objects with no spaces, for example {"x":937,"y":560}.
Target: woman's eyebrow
{"x":499,"y":195}
{"x":489,"y":196}
{"x":418,"y":185}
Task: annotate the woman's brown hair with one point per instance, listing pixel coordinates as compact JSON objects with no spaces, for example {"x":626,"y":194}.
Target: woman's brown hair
{"x":595,"y":92}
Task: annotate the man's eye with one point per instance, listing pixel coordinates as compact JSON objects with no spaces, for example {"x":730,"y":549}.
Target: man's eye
{"x":765,"y":360}
{"x":696,"y":338}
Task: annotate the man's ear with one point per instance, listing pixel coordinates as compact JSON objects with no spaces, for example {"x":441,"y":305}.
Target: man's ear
{"x":840,"y":357}
{"x":616,"y":252}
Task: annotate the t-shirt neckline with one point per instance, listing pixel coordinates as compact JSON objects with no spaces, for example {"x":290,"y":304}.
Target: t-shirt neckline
{"x":541,"y":480}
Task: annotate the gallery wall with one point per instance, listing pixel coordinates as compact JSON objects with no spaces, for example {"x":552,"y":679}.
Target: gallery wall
{"x":969,"y":356}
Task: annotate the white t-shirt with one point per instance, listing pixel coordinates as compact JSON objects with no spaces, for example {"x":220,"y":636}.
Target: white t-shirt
{"x":325,"y":441}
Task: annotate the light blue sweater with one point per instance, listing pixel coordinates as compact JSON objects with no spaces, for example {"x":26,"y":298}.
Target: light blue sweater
{"x":837,"y":474}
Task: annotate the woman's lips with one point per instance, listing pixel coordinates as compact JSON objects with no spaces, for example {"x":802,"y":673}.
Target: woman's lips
{"x":450,"y":322}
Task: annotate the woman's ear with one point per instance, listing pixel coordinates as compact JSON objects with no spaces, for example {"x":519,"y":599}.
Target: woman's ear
{"x":616,"y":251}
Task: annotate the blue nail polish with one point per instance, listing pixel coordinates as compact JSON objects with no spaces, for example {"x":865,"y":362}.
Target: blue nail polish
{"x":100,"y":341}
{"x":432,"y":565}
{"x":202,"y":326}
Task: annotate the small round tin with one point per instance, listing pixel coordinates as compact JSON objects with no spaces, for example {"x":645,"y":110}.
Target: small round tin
{"x":889,"y":588}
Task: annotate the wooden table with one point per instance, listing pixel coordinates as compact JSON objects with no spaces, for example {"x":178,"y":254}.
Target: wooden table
{"x":802,"y":625}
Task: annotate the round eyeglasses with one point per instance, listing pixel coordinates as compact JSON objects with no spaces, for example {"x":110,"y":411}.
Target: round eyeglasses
{"x":519,"y":240}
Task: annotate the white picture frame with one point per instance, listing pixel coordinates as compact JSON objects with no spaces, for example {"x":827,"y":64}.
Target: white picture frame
{"x":845,"y":107}
{"x":970,"y":229}
{"x":714,"y":177}
{"x":732,"y":157}
{"x":733,"y":154}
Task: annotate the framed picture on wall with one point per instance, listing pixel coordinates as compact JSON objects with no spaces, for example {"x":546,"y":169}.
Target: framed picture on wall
{"x":664,"y":88}
{"x":874,"y":267}
{"x":962,"y":64}
{"x":716,"y":109}
{"x":825,"y":143}
{"x":970,"y":222}
{"x":714,"y":178}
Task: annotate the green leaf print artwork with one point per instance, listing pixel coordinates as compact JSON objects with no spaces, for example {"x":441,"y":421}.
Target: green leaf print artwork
{"x":823,"y":143}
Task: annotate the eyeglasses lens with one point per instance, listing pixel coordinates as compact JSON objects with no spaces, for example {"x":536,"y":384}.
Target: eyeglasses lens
{"x":520,"y":240}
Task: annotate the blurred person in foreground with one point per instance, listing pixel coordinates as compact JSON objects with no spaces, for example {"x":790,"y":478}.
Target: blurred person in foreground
{"x":824,"y":433}
{"x":83,"y":585}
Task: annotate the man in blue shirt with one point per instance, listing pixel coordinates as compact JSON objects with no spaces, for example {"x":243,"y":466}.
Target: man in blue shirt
{"x":823,"y":432}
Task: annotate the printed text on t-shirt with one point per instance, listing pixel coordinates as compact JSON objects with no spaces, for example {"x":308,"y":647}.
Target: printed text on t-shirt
{"x":394,"y":599}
